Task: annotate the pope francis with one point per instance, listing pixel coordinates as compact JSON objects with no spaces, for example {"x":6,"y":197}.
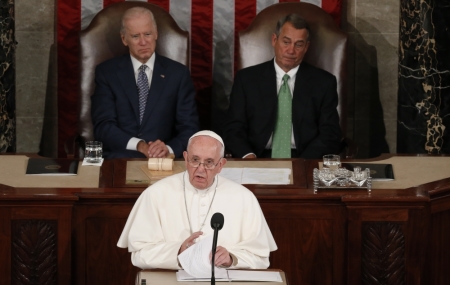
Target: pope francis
{"x":175,"y":212}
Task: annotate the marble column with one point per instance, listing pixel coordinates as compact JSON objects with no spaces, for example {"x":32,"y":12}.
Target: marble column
{"x":424,"y":77}
{"x":7,"y":77}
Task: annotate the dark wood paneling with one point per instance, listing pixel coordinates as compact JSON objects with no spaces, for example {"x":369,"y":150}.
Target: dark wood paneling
{"x":34,"y":252}
{"x":5,"y":245}
{"x":400,"y":232}
{"x":383,"y":253}
{"x":310,"y":241}
{"x":98,"y":228}
{"x":440,"y":248}
{"x":35,"y":242}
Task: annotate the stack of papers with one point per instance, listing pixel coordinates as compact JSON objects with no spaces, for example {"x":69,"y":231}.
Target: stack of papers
{"x":277,"y":176}
{"x":236,"y":275}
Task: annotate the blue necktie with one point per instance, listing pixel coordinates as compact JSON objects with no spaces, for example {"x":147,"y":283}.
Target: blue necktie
{"x":281,"y":143}
{"x":142,"y":84}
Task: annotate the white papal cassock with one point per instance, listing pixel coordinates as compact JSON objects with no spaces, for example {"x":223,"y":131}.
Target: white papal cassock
{"x":159,"y":223}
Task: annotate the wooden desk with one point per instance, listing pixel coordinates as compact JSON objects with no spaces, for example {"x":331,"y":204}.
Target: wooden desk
{"x":331,"y":237}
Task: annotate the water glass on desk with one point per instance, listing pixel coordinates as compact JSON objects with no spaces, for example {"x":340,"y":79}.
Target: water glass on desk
{"x":93,"y":151}
{"x":331,"y":161}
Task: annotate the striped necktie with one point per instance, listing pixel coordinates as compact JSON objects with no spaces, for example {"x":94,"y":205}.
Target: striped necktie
{"x":281,"y":143}
{"x":142,"y":85}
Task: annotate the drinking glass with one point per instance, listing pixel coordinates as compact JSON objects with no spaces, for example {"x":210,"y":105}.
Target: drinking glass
{"x":93,"y":151}
{"x":331,"y":161}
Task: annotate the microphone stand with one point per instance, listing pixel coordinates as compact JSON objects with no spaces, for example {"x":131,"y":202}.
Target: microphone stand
{"x":216,"y":224}
{"x":216,"y":232}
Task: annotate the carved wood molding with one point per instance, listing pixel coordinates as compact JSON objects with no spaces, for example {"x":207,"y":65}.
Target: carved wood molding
{"x":34,"y":252}
{"x":383,"y":253}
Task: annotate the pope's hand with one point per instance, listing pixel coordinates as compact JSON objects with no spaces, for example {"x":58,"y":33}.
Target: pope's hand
{"x":189,"y":241}
{"x":222,"y":257}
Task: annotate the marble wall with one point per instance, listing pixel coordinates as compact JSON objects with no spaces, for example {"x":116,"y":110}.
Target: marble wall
{"x":7,"y":77}
{"x":373,"y":28}
{"x":424,"y":77}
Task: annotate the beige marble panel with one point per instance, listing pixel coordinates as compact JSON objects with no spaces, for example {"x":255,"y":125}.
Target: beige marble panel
{"x":376,"y":75}
{"x":380,"y":16}
{"x":29,"y":134}
{"x":35,"y":33}
{"x":32,"y":61}
{"x":35,"y":15}
{"x":386,"y":56}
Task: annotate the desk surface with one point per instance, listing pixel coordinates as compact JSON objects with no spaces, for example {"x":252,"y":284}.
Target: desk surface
{"x":417,"y":177}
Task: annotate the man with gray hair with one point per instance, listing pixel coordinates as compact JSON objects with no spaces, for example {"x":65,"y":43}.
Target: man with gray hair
{"x":175,"y":212}
{"x":143,"y":104}
{"x":284,"y":107}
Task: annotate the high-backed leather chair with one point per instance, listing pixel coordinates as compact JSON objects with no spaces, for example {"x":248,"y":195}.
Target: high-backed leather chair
{"x":327,"y":50}
{"x":101,"y":41}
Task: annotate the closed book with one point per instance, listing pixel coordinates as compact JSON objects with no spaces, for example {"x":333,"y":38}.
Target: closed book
{"x":52,"y":166}
{"x":378,"y":171}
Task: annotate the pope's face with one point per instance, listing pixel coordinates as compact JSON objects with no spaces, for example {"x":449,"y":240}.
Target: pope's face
{"x":290,"y":46}
{"x":140,"y":36}
{"x":203,"y":149}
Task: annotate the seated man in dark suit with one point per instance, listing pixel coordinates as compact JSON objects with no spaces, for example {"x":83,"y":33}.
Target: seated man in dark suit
{"x":284,"y":107}
{"x":144,"y":103}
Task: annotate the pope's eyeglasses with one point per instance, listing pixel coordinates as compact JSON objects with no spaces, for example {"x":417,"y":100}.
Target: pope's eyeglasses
{"x":209,"y":164}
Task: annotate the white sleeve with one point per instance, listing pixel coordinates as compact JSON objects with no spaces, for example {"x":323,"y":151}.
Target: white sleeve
{"x":144,"y":238}
{"x":257,"y":240}
{"x":132,"y":143}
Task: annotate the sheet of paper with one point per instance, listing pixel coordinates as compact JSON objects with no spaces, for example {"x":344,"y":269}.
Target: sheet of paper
{"x":233,"y":174}
{"x":266,"y":176}
{"x":278,"y":176}
{"x":195,"y":260}
{"x":249,"y":275}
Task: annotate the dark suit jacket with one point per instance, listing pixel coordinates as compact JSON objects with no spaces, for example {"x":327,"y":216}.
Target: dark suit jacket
{"x":170,"y":114}
{"x":252,"y":113}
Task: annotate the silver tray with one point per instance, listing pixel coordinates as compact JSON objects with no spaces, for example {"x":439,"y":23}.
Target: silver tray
{"x":341,"y":178}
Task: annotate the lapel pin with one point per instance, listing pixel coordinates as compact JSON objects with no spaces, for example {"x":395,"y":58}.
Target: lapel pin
{"x":162,"y":75}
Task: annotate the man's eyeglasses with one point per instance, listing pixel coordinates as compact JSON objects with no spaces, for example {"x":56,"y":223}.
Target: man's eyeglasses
{"x":209,"y":164}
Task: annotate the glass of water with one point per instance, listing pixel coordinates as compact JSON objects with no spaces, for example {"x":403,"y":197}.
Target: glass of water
{"x":331,"y":161}
{"x":93,"y":151}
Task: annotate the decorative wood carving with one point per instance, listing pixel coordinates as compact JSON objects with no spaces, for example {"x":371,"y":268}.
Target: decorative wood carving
{"x":383,"y":253}
{"x":34,"y":252}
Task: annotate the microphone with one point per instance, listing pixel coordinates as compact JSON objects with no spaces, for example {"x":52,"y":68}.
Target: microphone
{"x":217,"y":224}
